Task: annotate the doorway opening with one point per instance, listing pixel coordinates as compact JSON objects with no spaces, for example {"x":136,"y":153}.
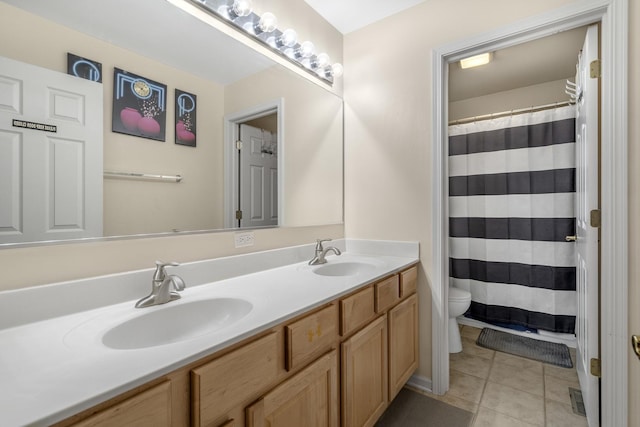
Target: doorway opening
{"x":253,"y":166}
{"x":613,"y":18}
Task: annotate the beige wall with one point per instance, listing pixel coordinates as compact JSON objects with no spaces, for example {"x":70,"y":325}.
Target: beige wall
{"x":524,"y":97}
{"x":134,"y":207}
{"x":387,"y":123}
{"x":313,"y":119}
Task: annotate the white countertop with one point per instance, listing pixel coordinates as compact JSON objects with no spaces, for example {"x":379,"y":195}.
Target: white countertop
{"x":53,"y":368}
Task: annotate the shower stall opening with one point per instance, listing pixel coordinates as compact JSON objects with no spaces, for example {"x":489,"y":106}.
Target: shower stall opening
{"x":512,"y":189}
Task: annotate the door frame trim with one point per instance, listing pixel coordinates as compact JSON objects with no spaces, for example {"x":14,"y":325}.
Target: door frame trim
{"x":613,"y":14}
{"x":231,"y":183}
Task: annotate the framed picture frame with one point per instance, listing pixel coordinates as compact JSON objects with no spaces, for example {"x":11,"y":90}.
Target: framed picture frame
{"x":139,"y":106}
{"x":185,"y":112}
{"x":84,"y":68}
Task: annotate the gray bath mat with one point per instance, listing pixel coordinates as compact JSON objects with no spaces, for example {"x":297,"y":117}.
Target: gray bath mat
{"x":543,"y":351}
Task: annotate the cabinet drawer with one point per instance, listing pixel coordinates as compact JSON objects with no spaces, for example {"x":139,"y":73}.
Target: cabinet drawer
{"x":387,"y":293}
{"x":226,"y":382}
{"x":408,"y":281}
{"x":150,"y":407}
{"x":310,"y":336}
{"x":356,"y":310}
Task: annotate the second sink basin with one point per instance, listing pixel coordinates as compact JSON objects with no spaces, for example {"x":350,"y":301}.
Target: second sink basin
{"x":172,"y":323}
{"x":350,"y":268}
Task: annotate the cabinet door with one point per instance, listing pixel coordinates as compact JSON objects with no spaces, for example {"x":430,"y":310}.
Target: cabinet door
{"x":233,"y":380}
{"x":309,"y":399}
{"x":364,"y":375}
{"x":403,"y":343}
{"x":151,"y":407}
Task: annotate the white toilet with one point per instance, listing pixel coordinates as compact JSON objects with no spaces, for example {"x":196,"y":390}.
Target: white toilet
{"x":459,"y":302}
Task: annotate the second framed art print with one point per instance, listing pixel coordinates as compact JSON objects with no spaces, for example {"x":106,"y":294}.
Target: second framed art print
{"x":139,"y":106}
{"x":185,"y":118}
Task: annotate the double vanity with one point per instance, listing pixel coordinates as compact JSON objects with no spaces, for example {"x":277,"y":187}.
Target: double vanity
{"x":257,"y":339}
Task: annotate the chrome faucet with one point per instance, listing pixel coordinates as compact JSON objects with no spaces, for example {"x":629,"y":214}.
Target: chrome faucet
{"x":319,"y":257}
{"x":163,"y":287}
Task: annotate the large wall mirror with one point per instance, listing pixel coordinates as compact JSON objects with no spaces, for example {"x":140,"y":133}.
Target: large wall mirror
{"x":239,"y":91}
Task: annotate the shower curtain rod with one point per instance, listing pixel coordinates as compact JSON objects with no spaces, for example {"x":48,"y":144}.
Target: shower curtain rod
{"x":510,"y":113}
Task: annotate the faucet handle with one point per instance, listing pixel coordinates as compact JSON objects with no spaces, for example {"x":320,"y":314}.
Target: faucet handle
{"x":160,"y":273}
{"x":319,"y":243}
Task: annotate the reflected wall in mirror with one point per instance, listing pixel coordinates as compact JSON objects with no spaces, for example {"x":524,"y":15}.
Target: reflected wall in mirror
{"x":227,"y":76}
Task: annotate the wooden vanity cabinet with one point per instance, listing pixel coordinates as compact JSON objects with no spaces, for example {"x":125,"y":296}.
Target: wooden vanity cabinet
{"x":338,"y":365}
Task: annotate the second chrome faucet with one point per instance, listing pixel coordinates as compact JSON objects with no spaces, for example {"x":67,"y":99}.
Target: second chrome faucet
{"x":321,"y":252}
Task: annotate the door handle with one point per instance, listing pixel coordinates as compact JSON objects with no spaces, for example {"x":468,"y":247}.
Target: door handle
{"x":571,"y":238}
{"x":635,"y":342}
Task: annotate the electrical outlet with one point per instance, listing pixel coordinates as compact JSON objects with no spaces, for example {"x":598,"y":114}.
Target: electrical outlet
{"x":244,"y":239}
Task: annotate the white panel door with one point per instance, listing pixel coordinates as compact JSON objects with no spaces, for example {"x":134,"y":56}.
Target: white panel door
{"x":587,"y":187}
{"x":258,"y":177}
{"x":50,"y":182}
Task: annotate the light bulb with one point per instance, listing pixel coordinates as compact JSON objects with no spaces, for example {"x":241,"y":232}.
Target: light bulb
{"x":290,"y":52}
{"x":268,"y":22}
{"x":323,"y":72}
{"x":271,"y":41}
{"x":322,"y":60}
{"x":307,"y":49}
{"x":224,"y":11}
{"x":337,"y":69}
{"x":289,"y":38}
{"x":241,"y":7}
{"x":306,"y":63}
{"x":249,"y":28}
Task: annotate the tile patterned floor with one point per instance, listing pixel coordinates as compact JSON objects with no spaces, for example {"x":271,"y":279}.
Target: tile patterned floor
{"x":510,"y":391}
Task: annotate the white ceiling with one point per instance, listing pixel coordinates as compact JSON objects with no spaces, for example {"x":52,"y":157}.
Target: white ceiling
{"x":539,"y":61}
{"x":351,"y":15}
{"x":544,"y":60}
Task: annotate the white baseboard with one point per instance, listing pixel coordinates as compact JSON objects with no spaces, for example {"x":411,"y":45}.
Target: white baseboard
{"x":421,"y":383}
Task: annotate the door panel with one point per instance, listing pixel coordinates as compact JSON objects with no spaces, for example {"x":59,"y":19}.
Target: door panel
{"x":51,"y":181}
{"x":587,"y":238}
{"x":258,"y":178}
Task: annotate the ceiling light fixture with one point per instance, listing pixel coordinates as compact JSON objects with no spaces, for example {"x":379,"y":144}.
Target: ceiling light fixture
{"x":240,"y":14}
{"x":476,"y":60}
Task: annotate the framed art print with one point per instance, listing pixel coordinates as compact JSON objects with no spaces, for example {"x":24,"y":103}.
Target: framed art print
{"x":139,"y":106}
{"x":84,"y":68}
{"x":185,"y":118}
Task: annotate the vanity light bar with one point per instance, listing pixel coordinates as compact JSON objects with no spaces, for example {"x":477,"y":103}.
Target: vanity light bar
{"x":239,"y":14}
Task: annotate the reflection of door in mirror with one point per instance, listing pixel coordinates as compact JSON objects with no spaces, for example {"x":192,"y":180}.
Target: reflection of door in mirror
{"x":258,"y":173}
{"x":50,"y":155}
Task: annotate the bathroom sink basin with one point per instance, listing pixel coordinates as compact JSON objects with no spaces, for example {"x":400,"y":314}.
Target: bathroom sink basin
{"x":350,"y":268}
{"x":172,"y":323}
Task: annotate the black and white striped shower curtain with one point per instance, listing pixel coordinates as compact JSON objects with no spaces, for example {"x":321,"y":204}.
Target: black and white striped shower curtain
{"x":511,"y":204}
